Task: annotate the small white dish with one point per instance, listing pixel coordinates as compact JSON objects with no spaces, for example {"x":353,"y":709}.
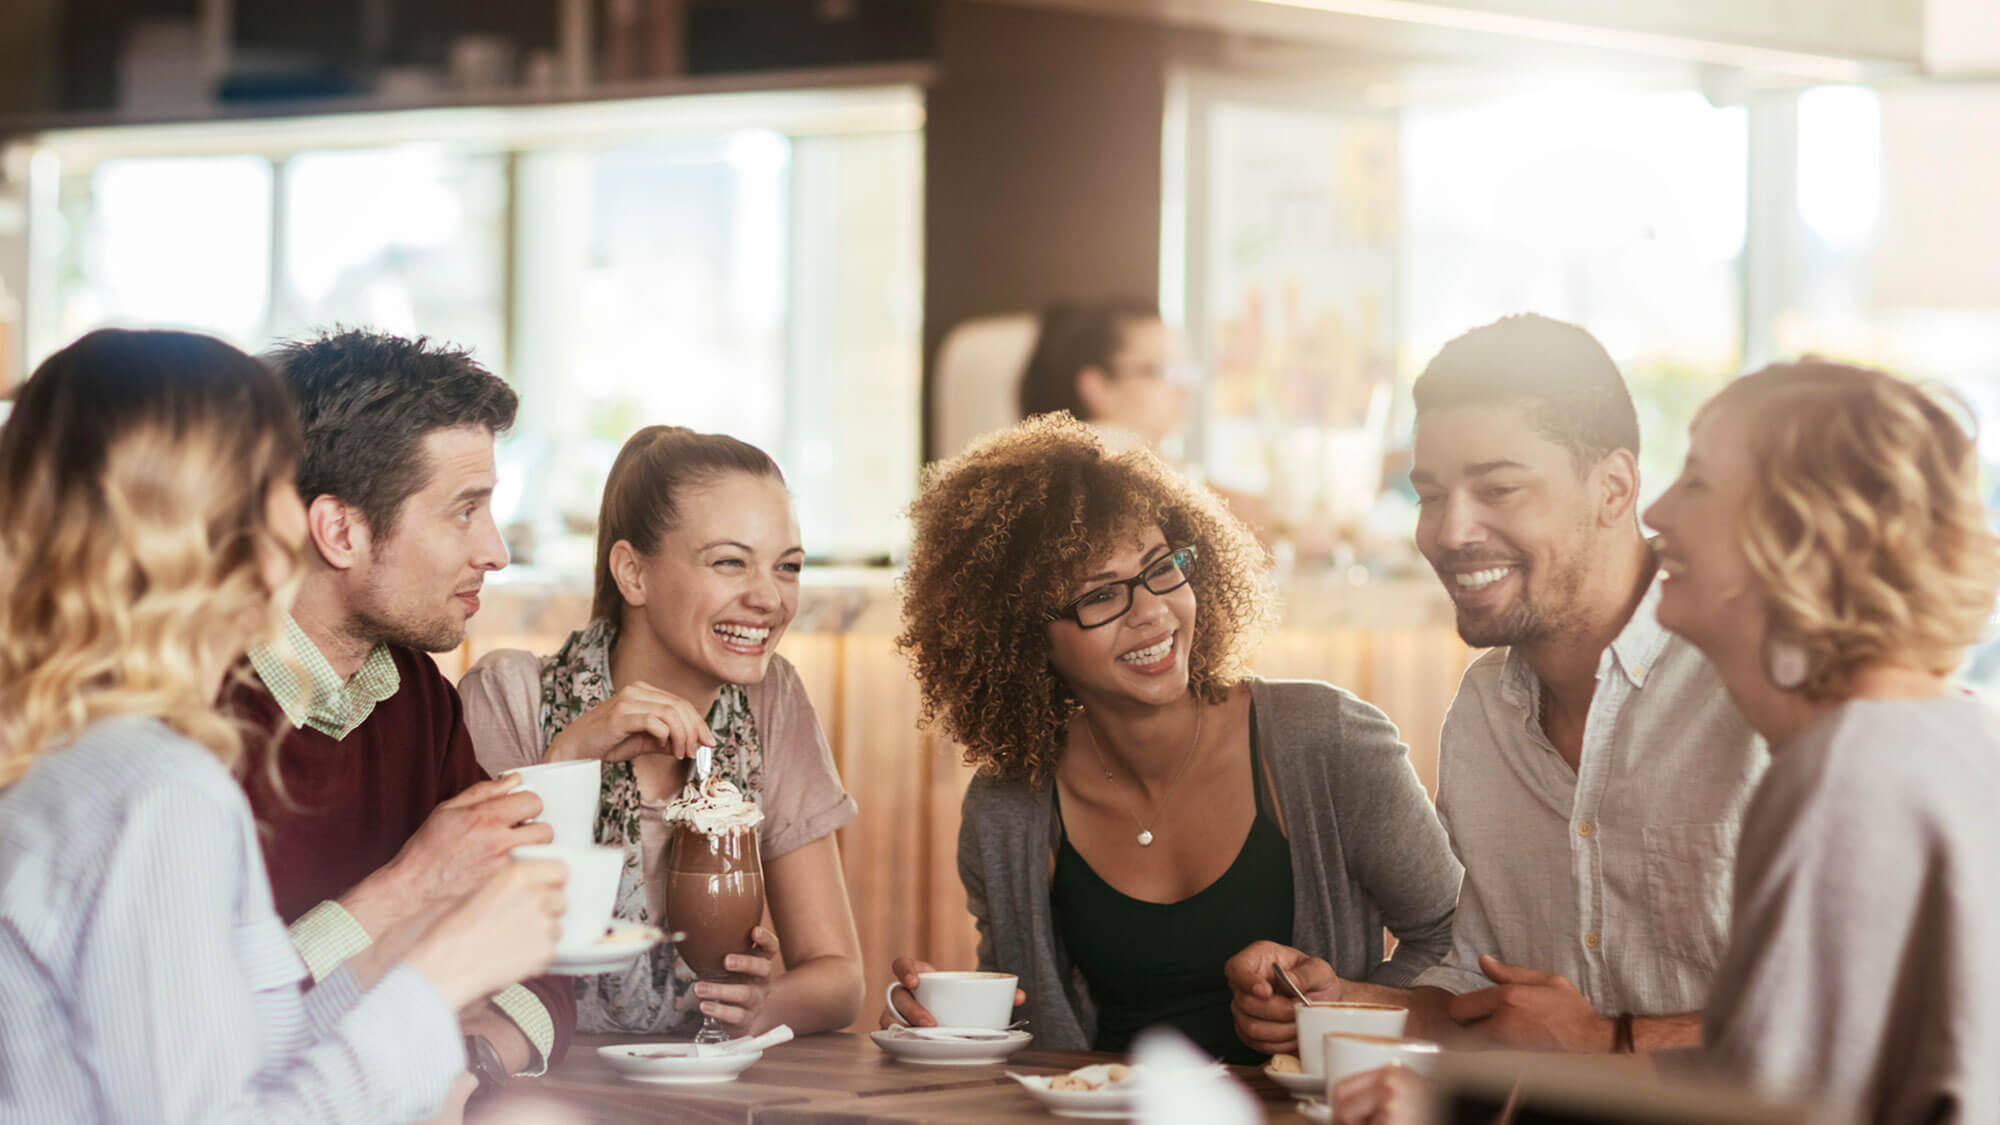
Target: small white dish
{"x":1298,"y":1085}
{"x":614,"y":950}
{"x":1116,"y":1102}
{"x":1315,"y":1110}
{"x":946,"y":1046}
{"x":677,"y":1063}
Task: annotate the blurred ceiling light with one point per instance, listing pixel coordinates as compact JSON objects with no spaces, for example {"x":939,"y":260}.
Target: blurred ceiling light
{"x":1840,"y":163}
{"x":1822,"y":68}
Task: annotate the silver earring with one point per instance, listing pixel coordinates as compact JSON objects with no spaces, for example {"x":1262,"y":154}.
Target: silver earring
{"x":1786,"y":663}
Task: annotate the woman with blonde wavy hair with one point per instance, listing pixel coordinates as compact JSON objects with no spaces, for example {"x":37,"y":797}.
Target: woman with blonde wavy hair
{"x":149,"y":533}
{"x":1146,"y":808}
{"x":1826,"y":548}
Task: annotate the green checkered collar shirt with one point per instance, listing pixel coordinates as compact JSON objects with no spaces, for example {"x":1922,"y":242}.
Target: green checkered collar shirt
{"x":323,"y":702}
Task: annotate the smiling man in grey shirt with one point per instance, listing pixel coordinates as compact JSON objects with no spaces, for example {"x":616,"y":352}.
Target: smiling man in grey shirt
{"x":1592,"y":772}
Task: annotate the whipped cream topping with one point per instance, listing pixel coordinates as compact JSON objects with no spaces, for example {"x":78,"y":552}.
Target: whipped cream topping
{"x":714,"y":807}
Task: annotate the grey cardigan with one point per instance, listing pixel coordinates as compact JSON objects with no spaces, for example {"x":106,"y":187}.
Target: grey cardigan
{"x":1367,"y":851}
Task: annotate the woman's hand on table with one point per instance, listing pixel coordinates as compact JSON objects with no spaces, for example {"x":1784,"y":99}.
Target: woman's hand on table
{"x":739,"y":1004}
{"x":915,"y":1014}
{"x":638,"y":719}
{"x":1392,"y":1095}
{"x":1261,"y":1009}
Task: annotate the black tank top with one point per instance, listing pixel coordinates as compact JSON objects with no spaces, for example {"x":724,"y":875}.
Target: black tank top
{"x":1149,"y":963}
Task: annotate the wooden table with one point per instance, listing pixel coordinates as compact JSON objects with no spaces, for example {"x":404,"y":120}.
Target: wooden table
{"x":820,"y":1080}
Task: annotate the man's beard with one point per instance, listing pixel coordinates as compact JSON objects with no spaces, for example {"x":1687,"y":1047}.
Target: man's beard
{"x":442,"y":633}
{"x":1521,"y":623}
{"x":1527,"y":620}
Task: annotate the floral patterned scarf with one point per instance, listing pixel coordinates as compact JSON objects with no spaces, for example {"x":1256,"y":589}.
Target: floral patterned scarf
{"x":652,"y":994}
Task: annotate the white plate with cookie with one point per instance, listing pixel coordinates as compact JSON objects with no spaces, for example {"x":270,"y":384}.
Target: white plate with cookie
{"x":1104,"y":1091}
{"x":1284,"y":1070}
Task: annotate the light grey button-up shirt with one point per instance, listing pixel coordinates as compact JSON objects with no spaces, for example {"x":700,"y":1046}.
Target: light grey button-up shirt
{"x":145,"y":976}
{"x":1616,"y":875}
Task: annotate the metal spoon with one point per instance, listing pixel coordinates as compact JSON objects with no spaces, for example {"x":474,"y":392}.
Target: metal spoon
{"x":704,"y":760}
{"x":1297,"y":993}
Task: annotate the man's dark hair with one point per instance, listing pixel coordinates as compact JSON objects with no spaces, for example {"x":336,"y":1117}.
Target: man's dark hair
{"x":367,"y":400}
{"x":1572,"y":390}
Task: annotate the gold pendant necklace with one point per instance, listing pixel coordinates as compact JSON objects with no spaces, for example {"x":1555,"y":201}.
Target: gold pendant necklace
{"x":1145,"y":836}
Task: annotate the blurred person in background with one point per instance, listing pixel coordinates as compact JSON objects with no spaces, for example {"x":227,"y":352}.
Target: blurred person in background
{"x":1592,"y":773}
{"x":1825,"y":546}
{"x":150,"y":530}
{"x":698,"y":563}
{"x":1107,"y":363}
{"x":1081,"y":622}
{"x":378,"y":811}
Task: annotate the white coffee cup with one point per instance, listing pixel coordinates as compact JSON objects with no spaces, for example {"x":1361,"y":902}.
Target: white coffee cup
{"x":589,"y":893}
{"x":569,"y":797}
{"x":962,"y":999}
{"x":1317,"y":1020}
{"x":1349,"y":1053}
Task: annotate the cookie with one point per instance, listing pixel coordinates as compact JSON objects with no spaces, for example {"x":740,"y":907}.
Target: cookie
{"x":1070,"y":1082}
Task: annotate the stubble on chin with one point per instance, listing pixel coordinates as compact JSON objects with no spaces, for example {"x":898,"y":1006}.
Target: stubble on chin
{"x":438,"y":635}
{"x":1516,"y":627}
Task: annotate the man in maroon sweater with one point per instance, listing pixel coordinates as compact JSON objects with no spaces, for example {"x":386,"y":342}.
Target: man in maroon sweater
{"x":383,"y":816}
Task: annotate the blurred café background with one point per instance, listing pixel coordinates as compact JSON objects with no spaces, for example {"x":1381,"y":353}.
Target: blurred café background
{"x":825,"y":226}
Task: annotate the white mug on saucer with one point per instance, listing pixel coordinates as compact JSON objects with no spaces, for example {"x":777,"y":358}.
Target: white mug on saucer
{"x":569,"y":797}
{"x":1350,"y":1053}
{"x":1315,"y":1021}
{"x":589,"y":893}
{"x":962,"y":999}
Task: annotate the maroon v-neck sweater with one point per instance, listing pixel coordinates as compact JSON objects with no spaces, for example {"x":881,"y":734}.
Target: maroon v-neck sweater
{"x":355,"y":801}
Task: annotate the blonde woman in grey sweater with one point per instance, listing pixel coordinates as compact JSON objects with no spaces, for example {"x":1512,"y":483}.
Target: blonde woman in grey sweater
{"x":1826,"y":547}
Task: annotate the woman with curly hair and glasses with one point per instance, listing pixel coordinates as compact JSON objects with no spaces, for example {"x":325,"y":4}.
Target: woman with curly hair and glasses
{"x":1081,"y":623}
{"x":1826,"y":547}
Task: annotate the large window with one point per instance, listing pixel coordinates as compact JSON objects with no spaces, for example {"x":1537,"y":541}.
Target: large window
{"x":1323,"y":245}
{"x":1622,"y":211}
{"x":409,"y":239}
{"x":748,"y":264}
{"x":160,"y":240}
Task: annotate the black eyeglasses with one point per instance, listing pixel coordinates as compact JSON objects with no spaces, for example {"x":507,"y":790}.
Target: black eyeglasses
{"x":1111,"y":601}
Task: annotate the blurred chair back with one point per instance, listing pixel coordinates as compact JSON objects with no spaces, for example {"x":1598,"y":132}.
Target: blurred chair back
{"x":978,"y":379}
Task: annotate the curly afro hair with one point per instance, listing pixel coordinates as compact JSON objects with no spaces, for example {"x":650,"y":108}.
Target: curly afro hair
{"x":1001,"y":534}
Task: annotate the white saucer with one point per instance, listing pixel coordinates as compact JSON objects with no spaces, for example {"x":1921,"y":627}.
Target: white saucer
{"x":1114,"y":1103}
{"x":1315,"y":1110}
{"x":1299,"y":1085}
{"x":612,"y":951}
{"x":943,"y":1046}
{"x":676,"y":1064}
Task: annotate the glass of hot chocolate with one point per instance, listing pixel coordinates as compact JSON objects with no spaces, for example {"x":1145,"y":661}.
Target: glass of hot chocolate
{"x":715,"y":882}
